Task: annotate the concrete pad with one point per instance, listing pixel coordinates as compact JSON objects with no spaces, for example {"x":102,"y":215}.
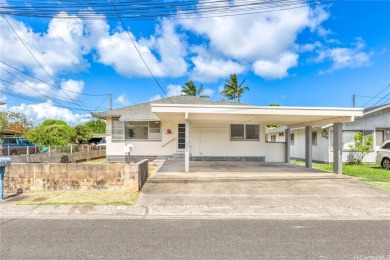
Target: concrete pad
{"x":265,"y":190}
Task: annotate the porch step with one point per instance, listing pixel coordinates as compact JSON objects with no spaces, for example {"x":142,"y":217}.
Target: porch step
{"x":177,"y":156}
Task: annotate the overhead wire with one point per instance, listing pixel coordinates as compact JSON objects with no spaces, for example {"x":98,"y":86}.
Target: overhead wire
{"x":147,"y":10}
{"x":140,"y":55}
{"x":13,"y":29}
{"x":48,"y":83}
{"x":35,"y":90}
{"x":377,"y":95}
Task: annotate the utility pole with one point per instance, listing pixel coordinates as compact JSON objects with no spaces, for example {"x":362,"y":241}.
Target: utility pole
{"x":353,"y":100}
{"x":110,"y":101}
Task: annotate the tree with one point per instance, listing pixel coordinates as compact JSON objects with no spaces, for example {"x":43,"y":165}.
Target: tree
{"x":82,"y":134}
{"x":232,"y":89}
{"x":360,"y":148}
{"x":15,"y":121}
{"x":51,"y":132}
{"x":97,"y":126}
{"x":190,"y":89}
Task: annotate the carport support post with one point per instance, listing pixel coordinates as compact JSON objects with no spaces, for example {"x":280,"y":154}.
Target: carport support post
{"x":187,"y":145}
{"x":308,"y":146}
{"x":337,"y":149}
{"x":288,"y":142}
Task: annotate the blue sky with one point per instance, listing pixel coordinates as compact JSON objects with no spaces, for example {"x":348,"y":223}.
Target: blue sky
{"x":311,"y":56}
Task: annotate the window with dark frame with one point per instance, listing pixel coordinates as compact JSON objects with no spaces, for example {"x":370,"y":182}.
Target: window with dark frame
{"x":244,"y":132}
{"x":292,"y":139}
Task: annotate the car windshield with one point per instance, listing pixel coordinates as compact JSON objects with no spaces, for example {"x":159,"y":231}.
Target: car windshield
{"x":24,"y":141}
{"x":103,"y":141}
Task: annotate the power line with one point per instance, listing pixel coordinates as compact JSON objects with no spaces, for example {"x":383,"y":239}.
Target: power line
{"x":48,"y":83}
{"x":36,"y":90}
{"x":146,"y":10}
{"x":139,"y":53}
{"x":377,"y":95}
{"x":13,"y":29}
{"x":21,"y":96}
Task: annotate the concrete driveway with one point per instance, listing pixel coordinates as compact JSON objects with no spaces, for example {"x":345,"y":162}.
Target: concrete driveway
{"x":262,"y":190}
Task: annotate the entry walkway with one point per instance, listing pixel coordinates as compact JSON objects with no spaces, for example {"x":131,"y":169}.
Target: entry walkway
{"x":263,"y":190}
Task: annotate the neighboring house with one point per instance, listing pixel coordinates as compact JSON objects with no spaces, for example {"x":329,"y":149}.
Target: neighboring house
{"x":375,"y":122}
{"x":196,"y":128}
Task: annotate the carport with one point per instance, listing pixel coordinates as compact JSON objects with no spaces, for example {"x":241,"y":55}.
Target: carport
{"x":291,"y":117}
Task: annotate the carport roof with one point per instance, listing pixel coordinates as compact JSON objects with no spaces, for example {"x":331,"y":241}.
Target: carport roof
{"x":288,"y":116}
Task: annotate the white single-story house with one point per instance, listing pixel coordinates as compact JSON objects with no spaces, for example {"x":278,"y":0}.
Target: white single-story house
{"x":201,"y":129}
{"x":375,"y":122}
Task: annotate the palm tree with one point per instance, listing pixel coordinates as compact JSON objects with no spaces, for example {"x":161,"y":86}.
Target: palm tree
{"x":190,"y":89}
{"x":232,"y":89}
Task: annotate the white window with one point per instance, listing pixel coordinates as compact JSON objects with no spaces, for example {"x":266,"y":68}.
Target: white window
{"x":244,"y":132}
{"x":292,"y":139}
{"x":143,"y":130}
{"x":118,"y":130}
{"x":273,"y":138}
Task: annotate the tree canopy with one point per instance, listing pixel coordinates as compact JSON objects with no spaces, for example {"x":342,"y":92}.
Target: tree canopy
{"x":97,"y":126}
{"x":190,"y":89}
{"x":51,"y":132}
{"x":14,"y":121}
{"x":232,"y":89}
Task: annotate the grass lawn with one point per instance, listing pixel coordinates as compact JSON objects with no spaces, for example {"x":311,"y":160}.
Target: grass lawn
{"x":370,"y":173}
{"x":81,"y":198}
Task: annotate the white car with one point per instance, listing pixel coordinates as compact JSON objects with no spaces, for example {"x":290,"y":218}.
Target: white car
{"x":102,"y":143}
{"x":383,"y":155}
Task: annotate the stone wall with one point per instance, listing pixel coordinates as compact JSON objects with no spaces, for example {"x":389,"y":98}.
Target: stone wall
{"x":58,"y":157}
{"x":74,"y":176}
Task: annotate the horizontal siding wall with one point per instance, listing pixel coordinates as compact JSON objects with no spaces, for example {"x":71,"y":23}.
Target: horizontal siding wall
{"x":206,"y":140}
{"x":213,"y":139}
{"x":275,"y":152}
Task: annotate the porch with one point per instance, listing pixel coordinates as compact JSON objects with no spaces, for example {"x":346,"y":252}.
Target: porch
{"x":246,"y":132}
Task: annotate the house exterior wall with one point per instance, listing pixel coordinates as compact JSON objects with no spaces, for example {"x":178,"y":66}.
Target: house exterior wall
{"x":207,"y":139}
{"x":213,"y":139}
{"x":320,"y":151}
{"x":323,"y":152}
{"x":145,"y":148}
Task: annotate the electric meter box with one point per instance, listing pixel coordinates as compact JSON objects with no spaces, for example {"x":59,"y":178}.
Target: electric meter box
{"x":127,"y":148}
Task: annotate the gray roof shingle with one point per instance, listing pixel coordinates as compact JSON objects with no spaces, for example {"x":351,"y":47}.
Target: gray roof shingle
{"x":143,"y":111}
{"x":366,"y":110}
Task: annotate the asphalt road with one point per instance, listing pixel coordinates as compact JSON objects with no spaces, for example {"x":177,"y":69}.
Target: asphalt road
{"x":194,"y":239}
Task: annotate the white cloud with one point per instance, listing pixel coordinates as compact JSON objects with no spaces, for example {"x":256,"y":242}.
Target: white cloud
{"x":155,"y":97}
{"x":118,"y":51}
{"x":342,"y":58}
{"x":250,"y":39}
{"x":123,"y":100}
{"x":60,"y":49}
{"x":46,"y":110}
{"x":208,"y":92}
{"x":309,"y":47}
{"x":210,"y":70}
{"x":276,"y":69}
{"x":174,"y":90}
{"x":68,"y":90}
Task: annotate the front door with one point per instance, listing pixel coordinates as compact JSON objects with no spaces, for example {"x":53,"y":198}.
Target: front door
{"x":181,"y":137}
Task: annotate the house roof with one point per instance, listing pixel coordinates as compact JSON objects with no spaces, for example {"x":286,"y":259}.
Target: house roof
{"x":143,"y":111}
{"x":375,"y":109}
